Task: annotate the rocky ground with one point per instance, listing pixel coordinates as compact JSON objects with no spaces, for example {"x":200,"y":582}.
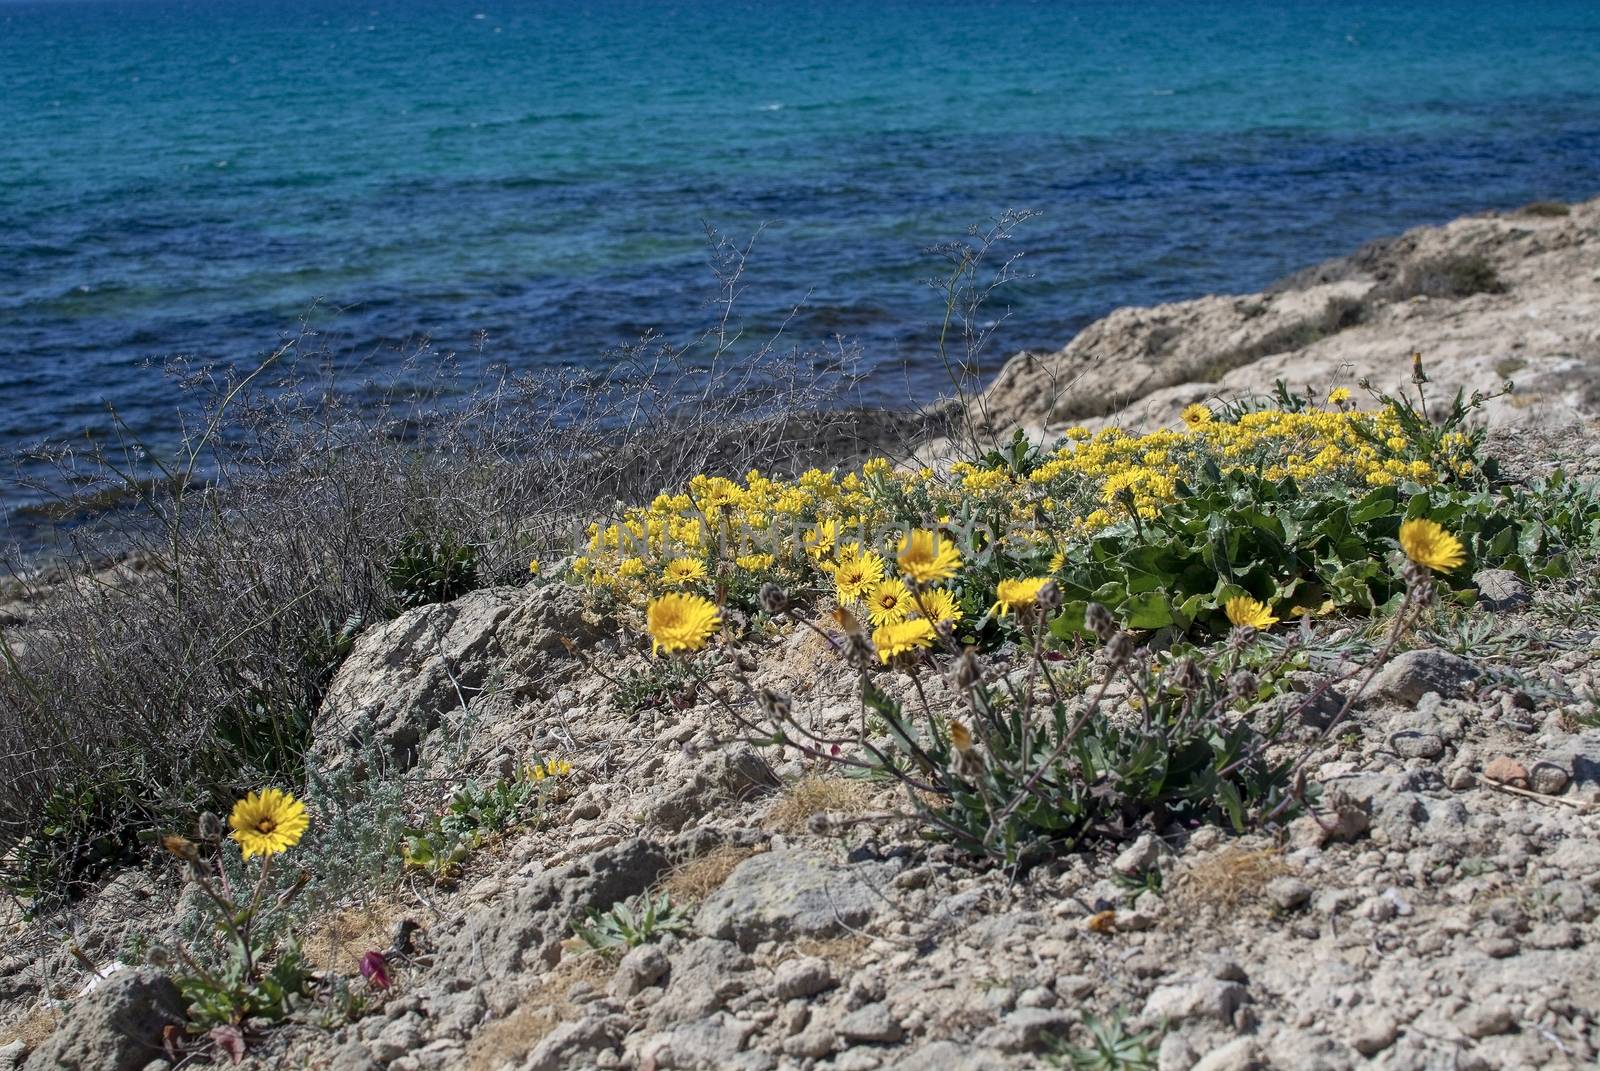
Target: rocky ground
{"x":1440,"y":910}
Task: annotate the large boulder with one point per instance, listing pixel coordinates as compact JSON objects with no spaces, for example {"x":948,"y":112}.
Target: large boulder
{"x":524,"y":930}
{"x":115,"y":1027}
{"x":404,"y":677}
{"x":787,"y":894}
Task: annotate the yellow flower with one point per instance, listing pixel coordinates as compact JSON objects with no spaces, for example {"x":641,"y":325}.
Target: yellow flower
{"x":1017,"y":594}
{"x":630,"y":567}
{"x":1429,"y":545}
{"x":1244,"y":611}
{"x":1197,"y":414}
{"x":939,"y":606}
{"x":754,"y":563}
{"x":549,"y":768}
{"x":682,"y":570}
{"x":960,"y":736}
{"x":533,"y":567}
{"x":858,"y":575}
{"x":898,"y":637}
{"x":927,"y":556}
{"x":680,"y":622}
{"x":1339,"y":395}
{"x":889,"y":603}
{"x":266,"y":823}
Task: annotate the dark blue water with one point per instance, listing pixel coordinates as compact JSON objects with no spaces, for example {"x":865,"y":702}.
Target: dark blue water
{"x":188,"y":178}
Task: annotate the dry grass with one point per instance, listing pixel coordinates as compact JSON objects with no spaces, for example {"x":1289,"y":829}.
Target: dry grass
{"x":336,"y":942}
{"x":816,"y":794}
{"x":36,"y":1024}
{"x":541,"y":1010}
{"x":1229,"y":878}
{"x":844,"y":951}
{"x":697,"y":879}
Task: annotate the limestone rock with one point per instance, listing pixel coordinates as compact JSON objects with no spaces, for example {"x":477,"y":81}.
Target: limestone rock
{"x":115,"y":1027}
{"x":1501,"y":589}
{"x":787,"y":894}
{"x":1413,"y":674}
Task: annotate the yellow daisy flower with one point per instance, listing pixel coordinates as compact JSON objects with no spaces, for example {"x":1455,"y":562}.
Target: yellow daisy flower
{"x":927,"y":556}
{"x":856,"y":576}
{"x":939,"y":606}
{"x":1017,"y":594}
{"x":1197,"y":414}
{"x":680,"y":622}
{"x":899,"y":637}
{"x":1429,"y":545}
{"x":266,"y":823}
{"x":889,"y":603}
{"x":680,"y":571}
{"x":1245,"y":611}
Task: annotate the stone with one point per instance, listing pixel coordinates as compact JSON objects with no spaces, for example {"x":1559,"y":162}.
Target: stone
{"x":1374,"y":1033}
{"x":1288,"y":894}
{"x":116,"y":1026}
{"x":640,"y":969}
{"x":398,"y":1037}
{"x":1413,"y":674}
{"x":731,"y":774}
{"x":524,"y":930}
{"x":1485,"y":1020}
{"x":815,"y":1042}
{"x":1175,"y":1054}
{"x":1139,"y":856}
{"x":403,"y":677}
{"x":1206,"y":1000}
{"x":948,"y":1056}
{"x":12,"y":1054}
{"x":870,"y":1023}
{"x":803,"y":977}
{"x":1507,"y":771}
{"x":1236,"y":1055}
{"x":1026,"y":1029}
{"x":1549,"y":778}
{"x":1417,"y":745}
{"x":1501,"y":589}
{"x":707,"y":973}
{"x":786,"y":894}
{"x":591,"y":1034}
{"x":709,"y":1042}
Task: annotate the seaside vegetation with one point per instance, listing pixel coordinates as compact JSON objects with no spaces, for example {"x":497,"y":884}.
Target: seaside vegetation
{"x":1052,"y":645}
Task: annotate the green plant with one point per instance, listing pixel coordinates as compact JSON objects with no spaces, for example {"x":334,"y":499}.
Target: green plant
{"x":431,"y":568}
{"x":1109,"y":1045}
{"x":474,"y":813}
{"x":1451,"y":276}
{"x":245,"y":962}
{"x":87,"y":828}
{"x":650,"y":687}
{"x":1547,"y":209}
{"x":629,"y":924}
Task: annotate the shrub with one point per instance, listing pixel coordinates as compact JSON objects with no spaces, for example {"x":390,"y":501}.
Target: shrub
{"x":1547,"y":209}
{"x":291,"y":511}
{"x":1449,"y":277}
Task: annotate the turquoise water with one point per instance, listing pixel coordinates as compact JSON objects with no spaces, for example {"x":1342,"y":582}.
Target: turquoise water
{"x":187,"y":178}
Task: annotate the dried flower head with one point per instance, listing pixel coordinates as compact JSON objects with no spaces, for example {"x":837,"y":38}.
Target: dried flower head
{"x":1120,"y":647}
{"x":969,"y":670}
{"x":775,"y":704}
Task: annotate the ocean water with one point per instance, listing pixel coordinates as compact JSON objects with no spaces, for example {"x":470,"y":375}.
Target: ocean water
{"x":528,"y":182}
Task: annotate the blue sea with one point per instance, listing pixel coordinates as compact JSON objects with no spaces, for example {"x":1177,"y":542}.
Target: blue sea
{"x":529,"y":183}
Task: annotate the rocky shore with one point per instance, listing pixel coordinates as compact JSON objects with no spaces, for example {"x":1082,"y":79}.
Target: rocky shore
{"x":1441,"y":909}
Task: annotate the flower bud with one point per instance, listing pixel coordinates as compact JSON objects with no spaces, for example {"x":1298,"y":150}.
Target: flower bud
{"x":775,"y":704}
{"x":858,"y":650}
{"x":1243,"y":684}
{"x":1049,"y":598}
{"x":969,"y":671}
{"x":774,"y":600}
{"x":1097,"y":619}
{"x":1119,"y":647}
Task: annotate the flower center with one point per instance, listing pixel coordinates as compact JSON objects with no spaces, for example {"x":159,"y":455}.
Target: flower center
{"x":266,"y":825}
